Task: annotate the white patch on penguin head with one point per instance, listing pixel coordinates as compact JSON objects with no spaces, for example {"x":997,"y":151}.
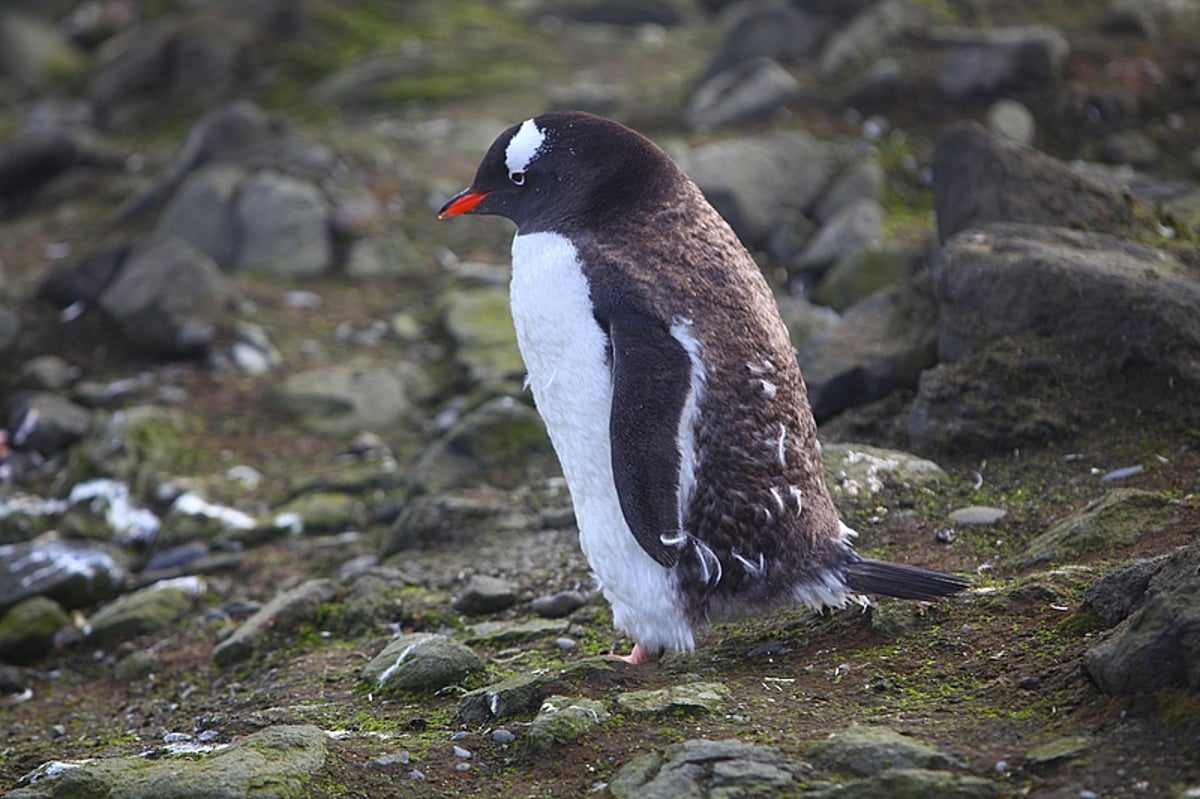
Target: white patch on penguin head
{"x":525,"y":145}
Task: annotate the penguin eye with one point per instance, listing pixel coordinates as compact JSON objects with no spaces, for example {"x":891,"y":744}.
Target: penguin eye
{"x":517,"y":177}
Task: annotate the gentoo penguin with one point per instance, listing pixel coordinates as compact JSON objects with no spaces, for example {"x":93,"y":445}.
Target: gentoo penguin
{"x":669,"y":387}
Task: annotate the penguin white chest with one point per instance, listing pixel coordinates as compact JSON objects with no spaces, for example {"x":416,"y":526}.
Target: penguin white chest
{"x":565,"y":353}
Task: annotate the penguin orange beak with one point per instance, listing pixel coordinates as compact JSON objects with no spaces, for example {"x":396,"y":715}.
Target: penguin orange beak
{"x":462,"y":203}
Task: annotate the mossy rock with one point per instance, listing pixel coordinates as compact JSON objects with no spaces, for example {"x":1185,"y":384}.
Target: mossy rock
{"x":1119,"y":518}
{"x":141,"y":446}
{"x":27,"y":630}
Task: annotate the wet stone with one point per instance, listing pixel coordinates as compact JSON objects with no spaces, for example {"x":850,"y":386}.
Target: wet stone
{"x":707,"y":697}
{"x":484,"y":594}
{"x":555,"y":606}
{"x":519,"y":695}
{"x":871,"y":750}
{"x":977,"y":515}
{"x":283,"y":613}
{"x":515,"y":632}
{"x":421,"y":662}
{"x":562,"y":719}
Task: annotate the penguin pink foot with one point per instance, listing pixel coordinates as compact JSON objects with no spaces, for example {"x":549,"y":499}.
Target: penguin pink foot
{"x":640,"y":656}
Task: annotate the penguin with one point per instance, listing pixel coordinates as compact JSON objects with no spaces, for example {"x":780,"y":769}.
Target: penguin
{"x":669,"y":388}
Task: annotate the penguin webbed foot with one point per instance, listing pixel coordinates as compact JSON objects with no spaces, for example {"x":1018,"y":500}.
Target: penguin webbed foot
{"x":640,"y":656}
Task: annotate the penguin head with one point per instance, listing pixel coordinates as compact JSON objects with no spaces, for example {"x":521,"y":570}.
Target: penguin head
{"x":562,"y":169}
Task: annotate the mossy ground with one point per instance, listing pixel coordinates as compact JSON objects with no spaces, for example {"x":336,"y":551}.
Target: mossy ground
{"x":986,"y":676}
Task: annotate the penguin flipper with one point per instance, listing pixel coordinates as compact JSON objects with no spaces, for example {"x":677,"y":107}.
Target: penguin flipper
{"x":652,"y":376}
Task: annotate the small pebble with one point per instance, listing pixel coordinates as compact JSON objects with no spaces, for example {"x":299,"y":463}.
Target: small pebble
{"x":464,"y":754}
{"x":176,"y":737}
{"x":1029,"y":683}
{"x":978,"y":514}
{"x":1121,"y":474}
{"x":947,"y":535}
{"x":417,"y":775}
{"x":555,"y":606}
{"x":503,"y":736}
{"x":58,"y":730}
{"x":207,"y":736}
{"x":565,"y":643}
{"x":462,"y":767}
{"x":458,"y":736}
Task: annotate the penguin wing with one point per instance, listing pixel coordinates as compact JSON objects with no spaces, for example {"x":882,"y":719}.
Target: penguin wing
{"x":652,"y":375}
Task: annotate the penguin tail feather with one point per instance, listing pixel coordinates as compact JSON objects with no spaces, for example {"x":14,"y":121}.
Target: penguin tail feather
{"x":868,"y":576}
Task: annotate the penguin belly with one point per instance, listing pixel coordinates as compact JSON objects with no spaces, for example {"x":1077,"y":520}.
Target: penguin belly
{"x":565,"y":354}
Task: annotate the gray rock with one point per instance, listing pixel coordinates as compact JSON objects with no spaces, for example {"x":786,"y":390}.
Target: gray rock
{"x":987,"y":62}
{"x":73,"y":573}
{"x":1058,"y":751}
{"x":625,"y":12}
{"x":28,"y":629}
{"x":979,"y":177}
{"x":281,"y":616}
{"x":857,"y":472}
{"x":692,"y":697}
{"x":1120,"y":301}
{"x":861,"y":179}
{"x":886,"y":83}
{"x":274,"y":763}
{"x":860,"y":272}
{"x":750,"y":90}
{"x":327,"y":511}
{"x":201,"y":212}
{"x":497,"y":633}
{"x":562,"y":719}
{"x":866,"y":751}
{"x":48,"y":373}
{"x":137,"y":445}
{"x":702,"y":769}
{"x":755,"y":182}
{"x":1119,"y":518}
{"x":486,"y":594}
{"x":168,"y":298}
{"x":977,"y":515}
{"x":152,"y":609}
{"x":283,"y":226}
{"x":34,"y":160}
{"x":773,"y":29}
{"x":857,"y":226}
{"x":1131,"y":147}
{"x":33,"y":51}
{"x":1012,"y":120}
{"x":421,"y":662}
{"x":480,"y":326}
{"x":344,"y":398}
{"x":1149,"y":18}
{"x":994,"y":401}
{"x":913,"y":784}
{"x":105,"y":509}
{"x":556,"y":606}
{"x":10,"y":327}
{"x":868,"y":34}
{"x":519,"y":695}
{"x":1159,"y":645}
{"x":228,"y":134}
{"x":193,"y":60}
{"x":447,"y":518}
{"x":880,"y":344}
{"x":804,"y":318}
{"x":1114,"y":596}
{"x":56,"y":423}
{"x":502,"y":442}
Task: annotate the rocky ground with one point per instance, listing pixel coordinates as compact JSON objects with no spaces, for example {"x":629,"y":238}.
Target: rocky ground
{"x":278,"y":518}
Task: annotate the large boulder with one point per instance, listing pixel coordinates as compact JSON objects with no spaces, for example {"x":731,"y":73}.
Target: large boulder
{"x":979,"y":177}
{"x":168,"y":298}
{"x":1119,"y":301}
